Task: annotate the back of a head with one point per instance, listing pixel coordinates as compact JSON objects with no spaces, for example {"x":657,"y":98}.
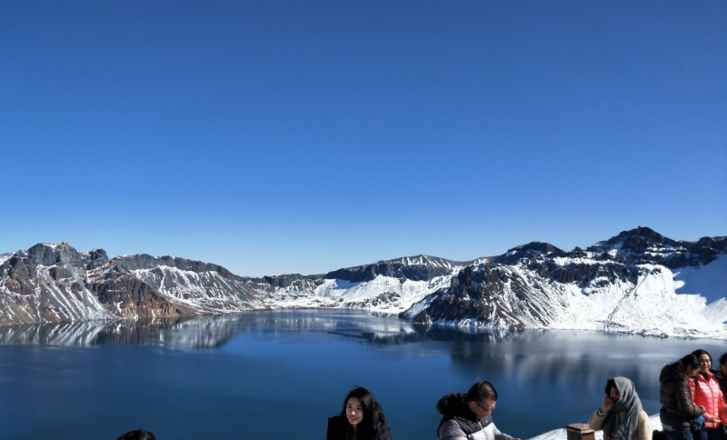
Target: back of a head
{"x":723,"y":359}
{"x":689,"y":361}
{"x":452,"y":404}
{"x":138,"y":434}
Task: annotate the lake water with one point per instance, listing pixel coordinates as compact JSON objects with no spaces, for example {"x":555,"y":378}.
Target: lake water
{"x":275,"y":375}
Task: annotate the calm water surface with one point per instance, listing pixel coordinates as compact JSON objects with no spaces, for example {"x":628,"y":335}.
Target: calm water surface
{"x":273,"y":375}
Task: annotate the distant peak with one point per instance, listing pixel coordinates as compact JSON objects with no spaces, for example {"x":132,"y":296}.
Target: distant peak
{"x":639,"y":231}
{"x":638,"y":238}
{"x":51,"y":245}
{"x":536,"y":246}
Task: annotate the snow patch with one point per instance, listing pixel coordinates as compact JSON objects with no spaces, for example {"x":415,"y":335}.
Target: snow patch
{"x":709,"y":280}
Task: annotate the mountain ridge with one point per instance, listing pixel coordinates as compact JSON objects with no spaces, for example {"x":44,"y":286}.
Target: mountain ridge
{"x":533,"y":285}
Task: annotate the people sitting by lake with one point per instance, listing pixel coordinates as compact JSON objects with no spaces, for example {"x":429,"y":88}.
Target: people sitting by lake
{"x":361,"y":418}
{"x":678,"y":410}
{"x":137,"y":434}
{"x":621,"y":415}
{"x":469,"y":416}
{"x":706,"y":393}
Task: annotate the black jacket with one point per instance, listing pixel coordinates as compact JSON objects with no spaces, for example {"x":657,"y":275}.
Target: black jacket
{"x":677,"y":406}
{"x":339,"y":429}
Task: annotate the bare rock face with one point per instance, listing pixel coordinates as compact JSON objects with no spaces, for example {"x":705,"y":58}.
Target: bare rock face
{"x":56,"y":283}
{"x":126,"y":296}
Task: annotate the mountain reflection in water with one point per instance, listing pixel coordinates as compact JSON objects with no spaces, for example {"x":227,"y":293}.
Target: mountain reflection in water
{"x":558,"y":358}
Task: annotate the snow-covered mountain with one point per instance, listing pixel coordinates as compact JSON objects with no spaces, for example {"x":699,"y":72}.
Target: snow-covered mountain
{"x":637,"y":281}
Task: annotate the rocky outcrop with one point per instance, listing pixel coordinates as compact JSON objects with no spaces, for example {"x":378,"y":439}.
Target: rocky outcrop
{"x":56,"y":283}
{"x":643,"y":245}
{"x":417,"y":268}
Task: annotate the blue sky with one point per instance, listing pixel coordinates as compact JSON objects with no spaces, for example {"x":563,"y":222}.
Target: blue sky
{"x":282,"y":136}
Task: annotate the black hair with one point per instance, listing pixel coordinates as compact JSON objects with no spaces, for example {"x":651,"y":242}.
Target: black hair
{"x":698,"y":353}
{"x":723,"y":359}
{"x":137,"y":435}
{"x":481,"y":391}
{"x":373,"y":421}
{"x":689,"y":361}
{"x":610,"y":384}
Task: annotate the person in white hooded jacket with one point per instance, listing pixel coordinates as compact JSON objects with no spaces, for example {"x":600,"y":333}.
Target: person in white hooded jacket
{"x":469,"y":416}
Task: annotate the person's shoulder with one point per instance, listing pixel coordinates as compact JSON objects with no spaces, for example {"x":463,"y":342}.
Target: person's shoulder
{"x":449,"y":427}
{"x":644,"y":419}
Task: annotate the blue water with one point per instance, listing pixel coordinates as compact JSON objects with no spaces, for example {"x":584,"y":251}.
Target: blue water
{"x":273,"y":375}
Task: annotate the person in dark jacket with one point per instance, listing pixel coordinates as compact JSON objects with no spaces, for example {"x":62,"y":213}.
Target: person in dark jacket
{"x":469,"y":416}
{"x":361,"y":418}
{"x":677,"y":407}
{"x":137,"y":435}
{"x":721,"y":374}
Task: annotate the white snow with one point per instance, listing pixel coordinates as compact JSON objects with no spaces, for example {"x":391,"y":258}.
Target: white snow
{"x":565,"y":261}
{"x":709,"y":280}
{"x":387,"y":295}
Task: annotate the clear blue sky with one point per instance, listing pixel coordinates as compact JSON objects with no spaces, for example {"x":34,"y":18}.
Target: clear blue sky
{"x":281,"y":136}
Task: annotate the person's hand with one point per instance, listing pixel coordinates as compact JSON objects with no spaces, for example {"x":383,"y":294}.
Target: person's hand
{"x":607,"y":404}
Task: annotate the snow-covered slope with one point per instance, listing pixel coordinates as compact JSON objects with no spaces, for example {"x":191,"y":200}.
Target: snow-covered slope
{"x":709,"y":281}
{"x":382,"y":294}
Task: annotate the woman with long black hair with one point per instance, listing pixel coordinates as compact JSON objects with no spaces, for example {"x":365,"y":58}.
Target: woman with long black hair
{"x":361,"y":418}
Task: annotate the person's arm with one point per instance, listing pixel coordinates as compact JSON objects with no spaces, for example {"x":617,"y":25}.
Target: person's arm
{"x":722,"y":407}
{"x":684,"y":402}
{"x":644,"y":430}
{"x":596,"y":421}
{"x":501,"y":435}
{"x":450,"y":430}
{"x":723,"y":413}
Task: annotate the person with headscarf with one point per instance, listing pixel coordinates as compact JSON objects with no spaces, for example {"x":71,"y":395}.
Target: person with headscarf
{"x":621,"y":415}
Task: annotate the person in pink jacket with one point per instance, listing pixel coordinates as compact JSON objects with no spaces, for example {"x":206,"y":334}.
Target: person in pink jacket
{"x":707,"y":394}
